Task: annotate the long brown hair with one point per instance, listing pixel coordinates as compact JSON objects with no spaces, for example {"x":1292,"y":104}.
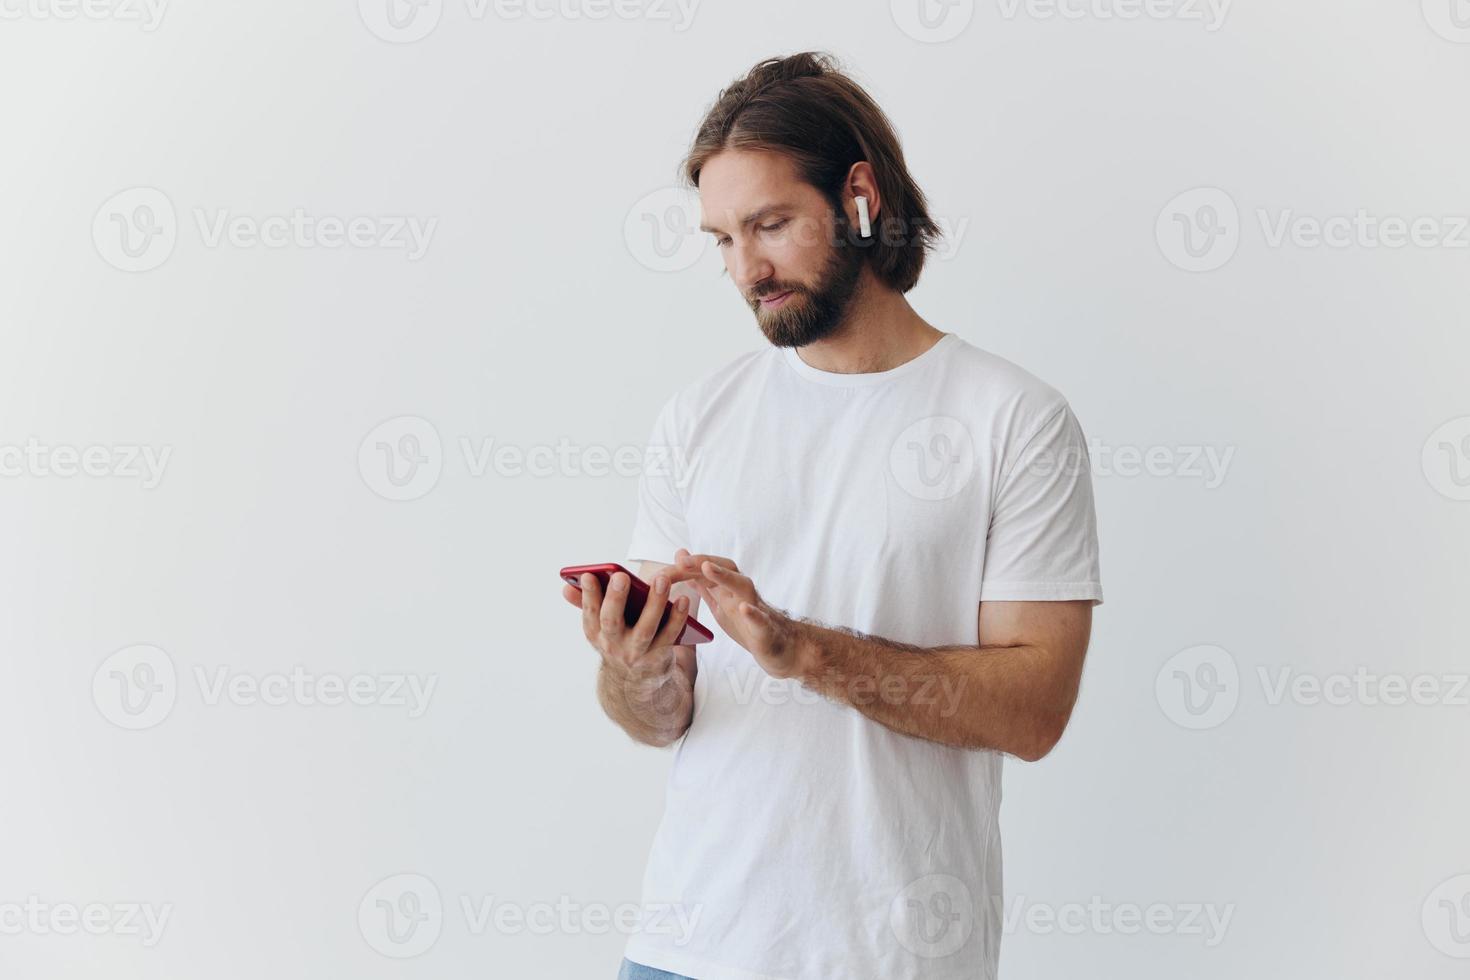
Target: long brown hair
{"x":803,"y":106}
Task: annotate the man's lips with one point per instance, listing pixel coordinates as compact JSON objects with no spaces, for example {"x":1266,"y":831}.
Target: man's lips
{"x":775,"y":300}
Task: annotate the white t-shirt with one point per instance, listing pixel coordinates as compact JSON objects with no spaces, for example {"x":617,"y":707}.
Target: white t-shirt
{"x":801,"y":840}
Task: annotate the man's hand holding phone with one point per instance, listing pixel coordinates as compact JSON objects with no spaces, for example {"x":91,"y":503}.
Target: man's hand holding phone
{"x":645,"y":648}
{"x":646,"y":684}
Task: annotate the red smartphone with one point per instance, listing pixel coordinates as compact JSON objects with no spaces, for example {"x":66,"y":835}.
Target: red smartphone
{"x":638,"y":591}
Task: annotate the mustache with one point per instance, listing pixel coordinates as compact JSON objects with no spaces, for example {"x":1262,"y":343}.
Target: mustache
{"x":777,"y":290}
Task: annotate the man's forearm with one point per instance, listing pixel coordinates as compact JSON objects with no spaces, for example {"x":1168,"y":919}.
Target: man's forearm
{"x":654,"y":709}
{"x":974,"y":697}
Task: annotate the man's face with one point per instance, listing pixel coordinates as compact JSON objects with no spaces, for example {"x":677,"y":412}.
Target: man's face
{"x":786,"y":249}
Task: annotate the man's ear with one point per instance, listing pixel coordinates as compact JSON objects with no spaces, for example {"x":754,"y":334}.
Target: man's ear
{"x":861,"y":182}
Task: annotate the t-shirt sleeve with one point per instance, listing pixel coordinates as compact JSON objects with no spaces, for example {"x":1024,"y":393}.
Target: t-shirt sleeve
{"x":1042,"y":539}
{"x":658,"y":524}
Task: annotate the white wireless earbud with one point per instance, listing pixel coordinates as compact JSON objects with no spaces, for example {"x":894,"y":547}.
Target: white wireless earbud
{"x":865,"y":224}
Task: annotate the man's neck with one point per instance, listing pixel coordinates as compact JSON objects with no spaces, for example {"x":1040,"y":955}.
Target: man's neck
{"x":880,"y":333}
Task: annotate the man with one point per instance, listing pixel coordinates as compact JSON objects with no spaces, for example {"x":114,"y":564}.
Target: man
{"x":894,"y":531}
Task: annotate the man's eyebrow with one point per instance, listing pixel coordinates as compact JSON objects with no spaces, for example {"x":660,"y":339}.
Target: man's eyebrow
{"x":753,"y":216}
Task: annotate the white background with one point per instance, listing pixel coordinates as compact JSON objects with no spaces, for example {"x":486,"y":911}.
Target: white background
{"x":541,"y":315}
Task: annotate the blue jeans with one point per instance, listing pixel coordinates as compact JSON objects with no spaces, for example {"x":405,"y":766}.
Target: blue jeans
{"x":637,"y":971}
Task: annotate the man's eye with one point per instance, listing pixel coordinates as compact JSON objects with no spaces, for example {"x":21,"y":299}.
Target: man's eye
{"x":722,"y":242}
{"x":774,"y":227}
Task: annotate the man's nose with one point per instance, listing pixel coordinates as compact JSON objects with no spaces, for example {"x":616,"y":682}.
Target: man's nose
{"x":748,"y":267}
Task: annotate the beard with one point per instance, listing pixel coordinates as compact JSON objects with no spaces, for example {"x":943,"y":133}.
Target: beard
{"x":818,"y":311}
